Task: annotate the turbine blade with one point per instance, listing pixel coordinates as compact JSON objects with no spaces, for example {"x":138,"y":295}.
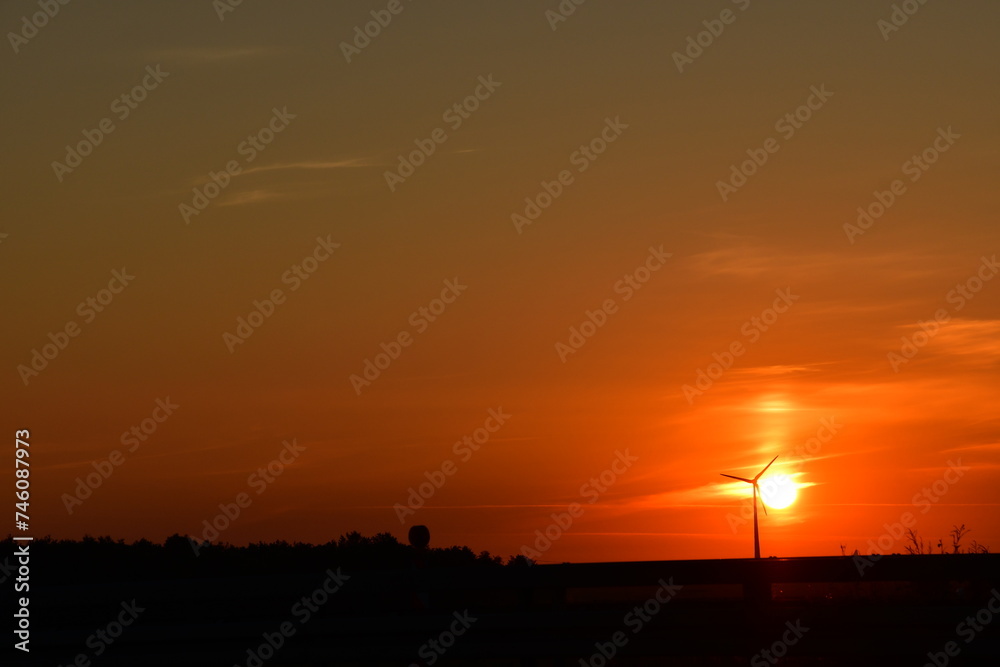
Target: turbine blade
{"x":766,"y":467}
{"x":760,"y":497}
{"x":742,"y":479}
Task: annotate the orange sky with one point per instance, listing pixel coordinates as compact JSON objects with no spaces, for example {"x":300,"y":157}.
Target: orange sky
{"x":639,"y":233}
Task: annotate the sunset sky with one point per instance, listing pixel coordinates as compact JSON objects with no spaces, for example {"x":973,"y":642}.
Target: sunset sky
{"x":636,"y":147}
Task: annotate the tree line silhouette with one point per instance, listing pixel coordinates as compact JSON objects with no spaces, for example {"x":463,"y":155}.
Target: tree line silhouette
{"x":105,"y":559}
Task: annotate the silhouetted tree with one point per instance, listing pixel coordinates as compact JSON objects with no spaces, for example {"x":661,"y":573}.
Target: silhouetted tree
{"x":957,"y":533}
{"x":916,"y":545}
{"x":105,"y":559}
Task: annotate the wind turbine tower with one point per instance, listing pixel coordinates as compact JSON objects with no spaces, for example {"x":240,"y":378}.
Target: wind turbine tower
{"x":756,"y":534}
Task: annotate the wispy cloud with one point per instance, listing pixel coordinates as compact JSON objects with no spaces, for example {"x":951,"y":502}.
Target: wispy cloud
{"x":343,"y":163}
{"x":769,"y":371}
{"x":991,"y":447}
{"x":747,"y":259}
{"x":252,"y":197}
{"x":961,"y":337}
{"x":297,"y":189}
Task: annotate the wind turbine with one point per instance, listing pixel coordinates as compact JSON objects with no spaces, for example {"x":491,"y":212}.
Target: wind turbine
{"x":756,"y":535}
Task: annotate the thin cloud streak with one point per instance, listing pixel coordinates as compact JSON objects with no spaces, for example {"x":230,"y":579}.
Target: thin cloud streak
{"x":346,"y":163}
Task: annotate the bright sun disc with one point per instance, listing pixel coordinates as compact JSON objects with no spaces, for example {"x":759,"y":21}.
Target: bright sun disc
{"x":778,"y":491}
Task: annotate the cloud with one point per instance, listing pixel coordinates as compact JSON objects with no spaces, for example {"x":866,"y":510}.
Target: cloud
{"x":961,"y":337}
{"x":991,"y":447}
{"x":770,"y":371}
{"x":299,"y":189}
{"x":343,"y":163}
{"x":252,"y":197}
{"x":745,"y":259}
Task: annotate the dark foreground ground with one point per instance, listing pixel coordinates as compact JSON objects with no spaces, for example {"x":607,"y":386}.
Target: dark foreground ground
{"x":911,"y":610}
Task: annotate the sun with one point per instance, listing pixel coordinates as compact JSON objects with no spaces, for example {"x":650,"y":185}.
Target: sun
{"x":778,"y":491}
